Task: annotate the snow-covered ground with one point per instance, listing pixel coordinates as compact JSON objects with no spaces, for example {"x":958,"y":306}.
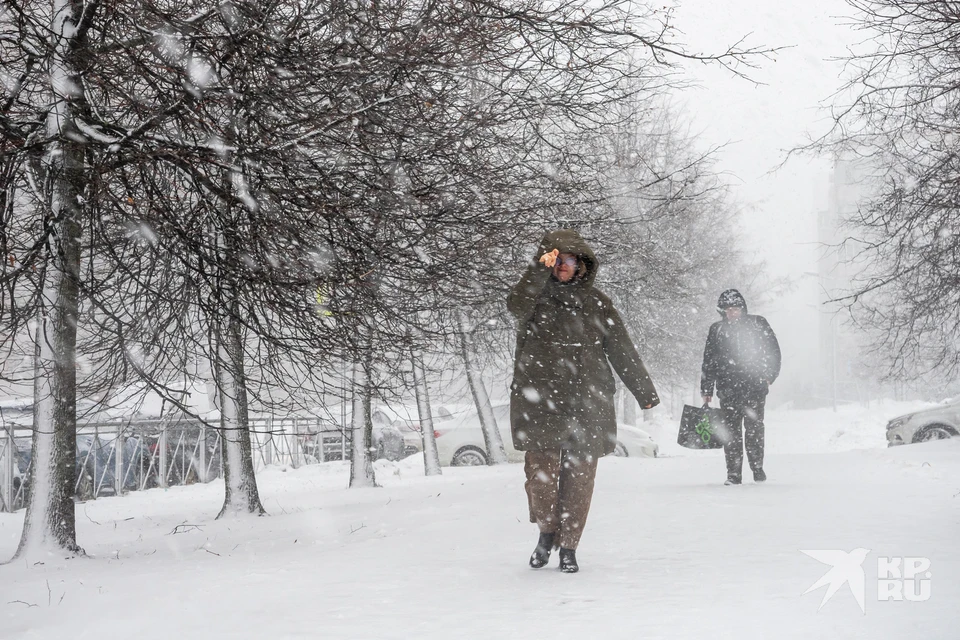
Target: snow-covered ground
{"x":668,"y":552}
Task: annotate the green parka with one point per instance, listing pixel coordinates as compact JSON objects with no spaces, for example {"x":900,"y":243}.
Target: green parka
{"x":562,"y":395}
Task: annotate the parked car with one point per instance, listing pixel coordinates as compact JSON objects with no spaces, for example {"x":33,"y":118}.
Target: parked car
{"x":389,"y":443}
{"x":405,"y":420}
{"x":392,"y":421}
{"x":95,"y":467}
{"x":936,"y":423}
{"x":460,"y":441}
{"x":96,"y":462}
{"x":634,"y":442}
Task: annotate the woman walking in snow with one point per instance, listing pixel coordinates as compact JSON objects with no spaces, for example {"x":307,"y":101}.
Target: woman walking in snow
{"x":562,"y":411}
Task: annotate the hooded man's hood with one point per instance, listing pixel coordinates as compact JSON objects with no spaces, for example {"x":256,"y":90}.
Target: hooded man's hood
{"x":569,"y":241}
{"x":731,"y":298}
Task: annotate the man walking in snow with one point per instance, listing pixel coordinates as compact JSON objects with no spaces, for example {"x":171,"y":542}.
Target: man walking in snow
{"x":742,"y":358}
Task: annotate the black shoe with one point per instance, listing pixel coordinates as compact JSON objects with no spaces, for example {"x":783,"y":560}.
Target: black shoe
{"x":541,"y":555}
{"x":733,"y":480}
{"x":759,"y":476}
{"x":568,"y":561}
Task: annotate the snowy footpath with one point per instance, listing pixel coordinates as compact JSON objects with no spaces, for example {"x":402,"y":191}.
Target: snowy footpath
{"x":668,"y":552}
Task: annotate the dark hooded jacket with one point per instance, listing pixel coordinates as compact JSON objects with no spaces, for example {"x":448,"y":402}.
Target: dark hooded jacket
{"x":568,"y":336}
{"x":742,"y":357}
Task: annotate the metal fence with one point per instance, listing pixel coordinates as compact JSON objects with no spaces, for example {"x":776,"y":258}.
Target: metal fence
{"x":116,"y":457}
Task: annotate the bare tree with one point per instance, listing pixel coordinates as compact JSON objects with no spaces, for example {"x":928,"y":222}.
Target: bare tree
{"x":431,"y":459}
{"x":58,"y":184}
{"x":361,"y":463}
{"x":897,"y":120}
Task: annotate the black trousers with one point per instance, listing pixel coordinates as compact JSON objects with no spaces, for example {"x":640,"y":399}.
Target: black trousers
{"x":746,"y":429}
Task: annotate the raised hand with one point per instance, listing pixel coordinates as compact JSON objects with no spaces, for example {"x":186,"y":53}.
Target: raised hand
{"x":550,"y":259}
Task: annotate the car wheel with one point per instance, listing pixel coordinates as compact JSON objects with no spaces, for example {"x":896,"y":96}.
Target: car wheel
{"x":469,"y":457}
{"x":620,"y":451}
{"x":934,"y":432}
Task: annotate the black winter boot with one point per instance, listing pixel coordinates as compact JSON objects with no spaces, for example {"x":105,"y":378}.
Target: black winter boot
{"x":733,"y":480}
{"x":541,"y":555}
{"x":759,"y":476}
{"x":568,"y":561}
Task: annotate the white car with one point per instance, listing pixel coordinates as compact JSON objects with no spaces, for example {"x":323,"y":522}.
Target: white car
{"x":936,"y":423}
{"x":460,"y":441}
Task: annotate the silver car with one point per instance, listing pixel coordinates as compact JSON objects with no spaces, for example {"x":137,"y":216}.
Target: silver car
{"x":936,"y":423}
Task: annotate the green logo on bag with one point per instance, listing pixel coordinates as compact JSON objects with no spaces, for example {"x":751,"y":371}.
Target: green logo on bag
{"x":703,"y":429}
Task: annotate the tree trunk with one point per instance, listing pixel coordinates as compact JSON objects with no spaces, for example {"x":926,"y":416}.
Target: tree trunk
{"x":50,"y":522}
{"x":488,"y":422}
{"x":431,"y":458}
{"x":361,"y":462}
{"x":241,"y":494}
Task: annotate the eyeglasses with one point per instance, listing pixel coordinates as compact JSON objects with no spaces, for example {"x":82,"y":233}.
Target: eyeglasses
{"x":570,"y":262}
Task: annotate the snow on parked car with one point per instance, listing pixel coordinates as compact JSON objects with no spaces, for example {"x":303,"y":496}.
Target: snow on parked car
{"x":936,"y":423}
